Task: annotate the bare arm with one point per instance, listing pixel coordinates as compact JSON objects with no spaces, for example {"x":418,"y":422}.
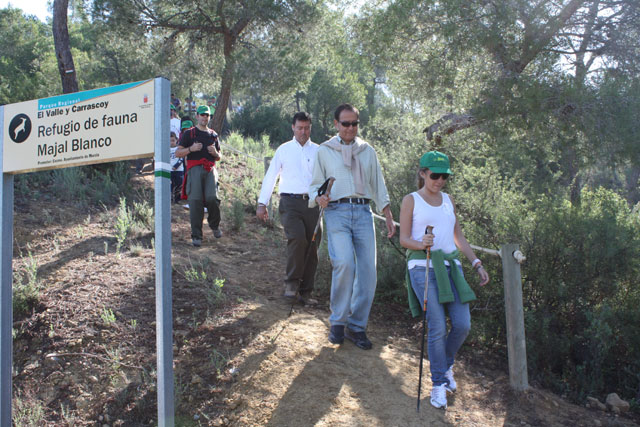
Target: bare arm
{"x":182,"y":151}
{"x":406,"y":223}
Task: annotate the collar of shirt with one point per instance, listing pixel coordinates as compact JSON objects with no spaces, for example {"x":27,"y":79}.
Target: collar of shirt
{"x":300,"y":144}
{"x":341,"y":141}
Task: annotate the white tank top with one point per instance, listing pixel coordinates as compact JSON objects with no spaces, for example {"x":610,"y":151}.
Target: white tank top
{"x":443,"y":220}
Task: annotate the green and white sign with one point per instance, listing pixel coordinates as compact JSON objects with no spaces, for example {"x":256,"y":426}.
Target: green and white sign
{"x":94,"y":126}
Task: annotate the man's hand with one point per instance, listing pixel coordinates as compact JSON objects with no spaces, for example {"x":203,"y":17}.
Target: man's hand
{"x":391,"y":227}
{"x":212,"y":150}
{"x":262,"y":213}
{"x":196,"y":146}
{"x":323,"y":200}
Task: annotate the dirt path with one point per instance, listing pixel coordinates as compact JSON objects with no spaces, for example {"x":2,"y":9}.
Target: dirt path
{"x":239,"y":360}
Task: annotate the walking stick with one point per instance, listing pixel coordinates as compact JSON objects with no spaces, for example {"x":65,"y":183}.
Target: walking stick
{"x":325,"y":188}
{"x":424,"y":314}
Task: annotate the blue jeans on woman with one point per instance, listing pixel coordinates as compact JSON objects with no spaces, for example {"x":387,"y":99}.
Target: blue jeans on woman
{"x":442,"y":346}
{"x":352,"y":249}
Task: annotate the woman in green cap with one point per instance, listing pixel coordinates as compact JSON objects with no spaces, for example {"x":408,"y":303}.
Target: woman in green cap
{"x":447,"y":289}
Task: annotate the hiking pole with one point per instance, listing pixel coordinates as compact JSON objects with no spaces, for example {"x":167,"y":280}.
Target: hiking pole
{"x":325,"y":188}
{"x":424,"y":314}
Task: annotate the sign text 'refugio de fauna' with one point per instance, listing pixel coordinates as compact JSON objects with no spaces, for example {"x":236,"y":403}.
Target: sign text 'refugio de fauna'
{"x":95,"y":126}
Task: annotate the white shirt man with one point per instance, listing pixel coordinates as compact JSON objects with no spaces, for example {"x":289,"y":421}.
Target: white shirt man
{"x":293,"y":163}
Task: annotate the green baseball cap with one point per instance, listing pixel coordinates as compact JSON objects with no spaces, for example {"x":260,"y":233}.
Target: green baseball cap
{"x":187,"y":124}
{"x":203,"y":109}
{"x":436,"y":162}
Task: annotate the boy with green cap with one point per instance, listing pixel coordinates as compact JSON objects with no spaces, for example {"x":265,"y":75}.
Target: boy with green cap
{"x":201,"y":147}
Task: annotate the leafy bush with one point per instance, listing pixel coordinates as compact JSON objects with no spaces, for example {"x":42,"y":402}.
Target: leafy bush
{"x":103,"y":183}
{"x":108,"y":182}
{"x":579,"y":281}
{"x":582,"y":304}
{"x":263,"y":120}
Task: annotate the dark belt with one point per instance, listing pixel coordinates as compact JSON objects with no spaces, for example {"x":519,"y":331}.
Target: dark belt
{"x":353,"y":200}
{"x":295,"y":196}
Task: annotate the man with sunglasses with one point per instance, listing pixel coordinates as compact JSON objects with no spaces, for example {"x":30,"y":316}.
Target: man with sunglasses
{"x":201,"y":147}
{"x":349,"y":224}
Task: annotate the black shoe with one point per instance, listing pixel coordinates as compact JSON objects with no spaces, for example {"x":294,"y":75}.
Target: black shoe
{"x":196,"y":242}
{"x":359,"y":339}
{"x":336,"y":334}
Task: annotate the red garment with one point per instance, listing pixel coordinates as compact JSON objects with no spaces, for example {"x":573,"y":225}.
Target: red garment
{"x":206,"y":164}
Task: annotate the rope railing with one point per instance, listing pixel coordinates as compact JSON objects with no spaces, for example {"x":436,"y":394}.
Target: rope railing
{"x":227,"y":146}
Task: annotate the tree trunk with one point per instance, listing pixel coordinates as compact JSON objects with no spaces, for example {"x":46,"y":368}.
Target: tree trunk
{"x":227,"y":81}
{"x":63,"y":50}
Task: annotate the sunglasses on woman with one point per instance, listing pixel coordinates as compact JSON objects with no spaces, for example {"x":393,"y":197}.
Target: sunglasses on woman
{"x":436,"y":176}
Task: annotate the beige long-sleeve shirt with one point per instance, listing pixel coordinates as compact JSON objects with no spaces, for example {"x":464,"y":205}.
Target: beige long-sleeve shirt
{"x":329,"y":164}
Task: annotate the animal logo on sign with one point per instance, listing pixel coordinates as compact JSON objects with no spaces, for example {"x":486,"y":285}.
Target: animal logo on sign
{"x":20,"y":128}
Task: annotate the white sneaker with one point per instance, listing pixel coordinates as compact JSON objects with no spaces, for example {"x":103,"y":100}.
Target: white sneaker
{"x":439,"y":396}
{"x":452,"y":386}
{"x":186,"y":206}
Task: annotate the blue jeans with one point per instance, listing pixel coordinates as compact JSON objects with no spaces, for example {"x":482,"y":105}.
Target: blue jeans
{"x":442,"y":347}
{"x":352,"y":249}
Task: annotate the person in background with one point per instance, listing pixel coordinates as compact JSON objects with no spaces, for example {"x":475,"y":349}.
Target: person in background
{"x":177,"y":170}
{"x":175,"y":102}
{"x":293,"y":163}
{"x":201,"y":147}
{"x":448,"y":291}
{"x":174,"y":123}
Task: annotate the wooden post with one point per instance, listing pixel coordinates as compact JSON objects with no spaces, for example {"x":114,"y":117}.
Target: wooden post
{"x":516,"y":344}
{"x":267,"y":162}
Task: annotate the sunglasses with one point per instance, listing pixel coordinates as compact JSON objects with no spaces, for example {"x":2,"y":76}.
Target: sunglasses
{"x":347,"y":124}
{"x":436,"y":176}
{"x":205,"y":114}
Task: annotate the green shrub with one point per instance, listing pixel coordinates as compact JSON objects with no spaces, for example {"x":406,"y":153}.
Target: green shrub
{"x":213,"y":292}
{"x":583,"y":266}
{"x":265,"y":120}
{"x":28,"y":410}
{"x":236,"y":213}
{"x":26,"y":285}
{"x":123,"y":223}
{"x":108,"y":182}
{"x":69,"y":184}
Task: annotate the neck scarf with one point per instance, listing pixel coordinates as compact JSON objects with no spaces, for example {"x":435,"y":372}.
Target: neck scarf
{"x":350,"y":159}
